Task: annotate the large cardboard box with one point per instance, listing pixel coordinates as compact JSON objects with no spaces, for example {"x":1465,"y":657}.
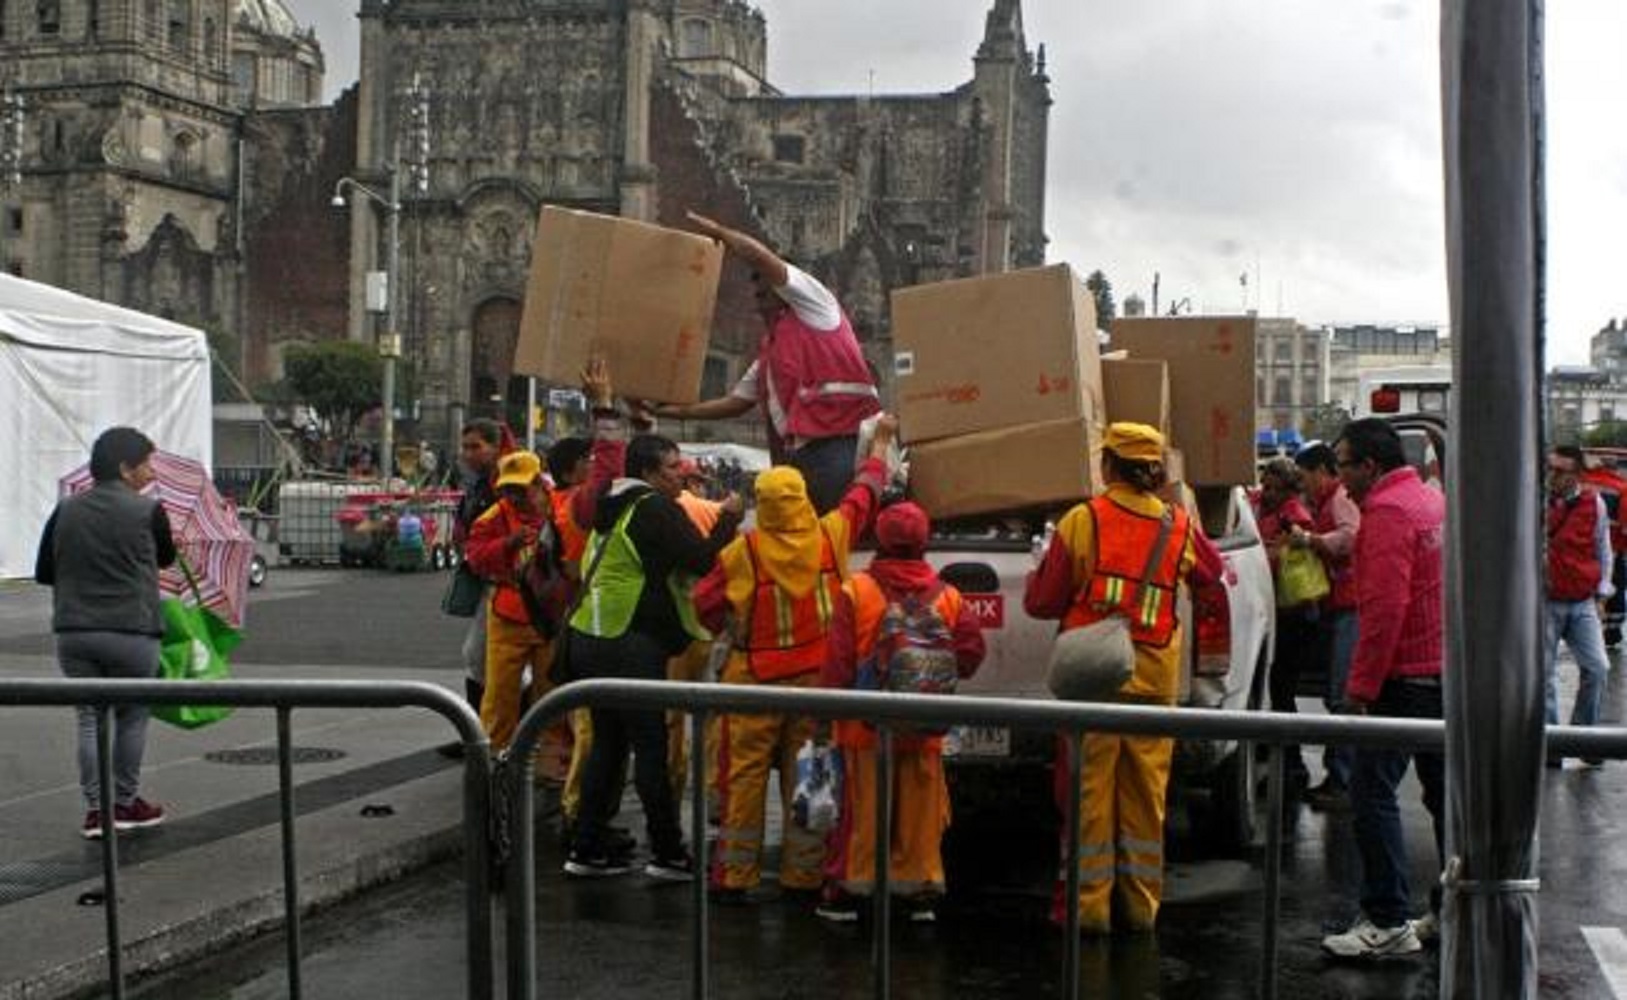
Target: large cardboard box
{"x":1004,"y":350}
{"x":640,"y":295}
{"x":1051,"y":463}
{"x":1211,"y":385}
{"x":1137,"y":390}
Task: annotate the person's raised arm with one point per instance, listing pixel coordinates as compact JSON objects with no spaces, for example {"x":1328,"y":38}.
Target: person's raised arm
{"x":757,"y":256}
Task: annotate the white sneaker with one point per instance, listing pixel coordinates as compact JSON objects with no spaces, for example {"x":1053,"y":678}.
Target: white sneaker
{"x":1367,"y":940}
{"x":1427,"y":928}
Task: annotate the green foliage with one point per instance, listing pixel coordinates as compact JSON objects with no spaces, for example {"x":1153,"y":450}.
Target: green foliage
{"x":1325,"y":422}
{"x":339,"y":379}
{"x":1609,"y":434}
{"x":1102,"y":291}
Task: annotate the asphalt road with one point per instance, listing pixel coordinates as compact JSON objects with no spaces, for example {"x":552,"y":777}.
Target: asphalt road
{"x":627,"y":937}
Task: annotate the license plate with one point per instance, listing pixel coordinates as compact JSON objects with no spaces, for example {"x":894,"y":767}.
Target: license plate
{"x":977,"y":741}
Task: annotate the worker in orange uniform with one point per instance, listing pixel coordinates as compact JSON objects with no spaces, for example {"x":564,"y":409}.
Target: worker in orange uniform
{"x":781,"y":580}
{"x":690,"y":665}
{"x":516,"y":546}
{"x":896,"y":618}
{"x":1092,"y":570}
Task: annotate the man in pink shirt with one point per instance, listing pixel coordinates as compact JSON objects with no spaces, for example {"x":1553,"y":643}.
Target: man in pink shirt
{"x":1395,"y":671}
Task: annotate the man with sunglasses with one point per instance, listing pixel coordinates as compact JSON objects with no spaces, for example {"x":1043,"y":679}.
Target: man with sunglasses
{"x":1578,"y":580}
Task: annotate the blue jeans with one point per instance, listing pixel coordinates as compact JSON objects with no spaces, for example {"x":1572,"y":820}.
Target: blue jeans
{"x":827,"y":466}
{"x":1577,"y":622}
{"x":1339,"y":642}
{"x":1386,"y":897}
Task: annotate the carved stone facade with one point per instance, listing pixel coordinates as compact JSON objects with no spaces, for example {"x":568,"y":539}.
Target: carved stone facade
{"x":133,"y":146}
{"x":647,"y":108}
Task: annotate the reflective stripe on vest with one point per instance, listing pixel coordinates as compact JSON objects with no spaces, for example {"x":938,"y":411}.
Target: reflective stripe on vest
{"x":618,"y":580}
{"x":785,"y":636}
{"x":1124,"y":540}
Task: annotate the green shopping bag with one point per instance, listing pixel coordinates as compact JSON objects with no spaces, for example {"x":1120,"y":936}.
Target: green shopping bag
{"x":195,"y":646}
{"x":1301,"y":578}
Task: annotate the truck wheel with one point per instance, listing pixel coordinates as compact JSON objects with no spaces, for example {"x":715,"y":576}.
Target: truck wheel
{"x":257,"y":571}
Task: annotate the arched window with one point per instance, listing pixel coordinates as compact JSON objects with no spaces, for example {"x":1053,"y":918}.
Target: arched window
{"x":180,"y":24}
{"x":184,"y":155}
{"x":695,"y":38}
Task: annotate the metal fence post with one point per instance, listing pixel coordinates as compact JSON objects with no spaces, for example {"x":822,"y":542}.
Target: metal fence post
{"x":1273,"y":867}
{"x":1070,"y":882}
{"x":881,"y":905}
{"x":477,"y":867}
{"x":697,"y":838}
{"x":521,"y":876}
{"x":290,"y":861}
{"x":110,"y":848}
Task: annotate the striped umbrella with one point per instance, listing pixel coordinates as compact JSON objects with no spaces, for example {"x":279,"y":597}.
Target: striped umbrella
{"x":207,"y":534}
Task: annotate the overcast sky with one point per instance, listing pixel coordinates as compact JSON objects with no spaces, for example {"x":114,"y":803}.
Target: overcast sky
{"x":1296,"y":142}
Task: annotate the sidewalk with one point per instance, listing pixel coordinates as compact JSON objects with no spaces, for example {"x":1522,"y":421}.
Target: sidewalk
{"x":211,"y":876}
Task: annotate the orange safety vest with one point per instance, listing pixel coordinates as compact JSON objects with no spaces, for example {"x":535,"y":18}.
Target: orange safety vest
{"x":869,"y":604}
{"x":573,"y":541}
{"x":785,"y":636}
{"x":506,"y":599}
{"x":1124,"y":540}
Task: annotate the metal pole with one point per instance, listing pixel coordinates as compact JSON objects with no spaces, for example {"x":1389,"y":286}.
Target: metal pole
{"x":521,"y":877}
{"x":477,"y":868}
{"x":1273,"y":868}
{"x":531,"y":413}
{"x":697,"y":840}
{"x":389,"y":345}
{"x":290,"y":862}
{"x":882,"y":904}
{"x":110,"y":849}
{"x":1070,"y":881}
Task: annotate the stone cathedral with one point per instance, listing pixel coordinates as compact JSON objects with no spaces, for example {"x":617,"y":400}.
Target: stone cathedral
{"x":176,"y":160}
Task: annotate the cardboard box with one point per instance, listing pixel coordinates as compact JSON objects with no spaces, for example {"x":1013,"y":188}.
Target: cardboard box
{"x":1004,"y":350}
{"x":1137,"y":390}
{"x":1211,"y":385}
{"x":640,"y":295}
{"x":1048,"y":464}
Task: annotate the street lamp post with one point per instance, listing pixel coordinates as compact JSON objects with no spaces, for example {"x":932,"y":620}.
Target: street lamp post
{"x":389,"y":342}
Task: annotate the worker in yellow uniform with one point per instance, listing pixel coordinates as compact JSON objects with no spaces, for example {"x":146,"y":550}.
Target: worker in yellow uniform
{"x":781,"y":581}
{"x":1092,"y":570}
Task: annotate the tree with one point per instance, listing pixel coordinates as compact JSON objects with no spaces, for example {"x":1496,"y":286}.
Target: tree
{"x":339,"y":379}
{"x":1326,"y":422}
{"x":1102,"y":291}
{"x":1606,"y":434}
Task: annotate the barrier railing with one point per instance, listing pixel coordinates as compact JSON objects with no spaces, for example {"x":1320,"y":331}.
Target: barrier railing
{"x":285,"y":696}
{"x":1072,"y":720}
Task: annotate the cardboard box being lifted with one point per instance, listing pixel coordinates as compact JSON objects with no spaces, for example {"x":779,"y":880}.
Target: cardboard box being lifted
{"x":1047,"y":464}
{"x":640,"y":295}
{"x":1211,"y":386}
{"x":1005,"y":350}
{"x":1137,"y":390}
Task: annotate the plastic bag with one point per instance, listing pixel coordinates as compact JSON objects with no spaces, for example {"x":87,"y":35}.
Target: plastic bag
{"x":195,"y":646}
{"x":1093,"y":662}
{"x":816,"y":801}
{"x":897,"y":469}
{"x":1301,"y":578}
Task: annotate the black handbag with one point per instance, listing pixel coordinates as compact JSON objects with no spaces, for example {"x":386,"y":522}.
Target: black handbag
{"x":464,"y":592}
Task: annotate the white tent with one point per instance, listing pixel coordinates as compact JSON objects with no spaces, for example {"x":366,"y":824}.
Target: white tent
{"x":71,"y":367}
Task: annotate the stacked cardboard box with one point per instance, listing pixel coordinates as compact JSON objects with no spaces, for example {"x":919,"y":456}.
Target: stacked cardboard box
{"x":640,"y":296}
{"x":999,"y":389}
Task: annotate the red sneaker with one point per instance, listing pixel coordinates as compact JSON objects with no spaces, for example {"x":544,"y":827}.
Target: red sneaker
{"x":138,"y":815}
{"x":92,"y":827}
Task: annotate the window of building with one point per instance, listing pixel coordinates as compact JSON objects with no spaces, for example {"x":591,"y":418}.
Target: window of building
{"x":1285,"y":351}
{"x":179,"y":26}
{"x":789,"y":148}
{"x":49,"y":16}
{"x":184,"y":155}
{"x":715,"y":378}
{"x":1282,"y":390}
{"x":14,"y":221}
{"x":93,"y":18}
{"x":1309,"y":389}
{"x":695,"y":38}
{"x":2,"y":20}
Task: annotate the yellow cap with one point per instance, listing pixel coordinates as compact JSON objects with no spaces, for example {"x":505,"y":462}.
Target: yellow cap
{"x":518,"y":468}
{"x":1136,"y":442}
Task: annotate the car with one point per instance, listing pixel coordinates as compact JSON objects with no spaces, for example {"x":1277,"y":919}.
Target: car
{"x":1227,"y":630}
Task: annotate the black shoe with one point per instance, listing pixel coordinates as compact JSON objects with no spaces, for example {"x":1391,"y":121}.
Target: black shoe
{"x":838,"y":908}
{"x":596,"y":866}
{"x":1556,"y":763}
{"x":1328,"y":795}
{"x":727,"y":896}
{"x":1593,"y":761}
{"x":679,"y":867}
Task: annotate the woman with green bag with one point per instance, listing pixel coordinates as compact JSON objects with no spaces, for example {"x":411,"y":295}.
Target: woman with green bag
{"x":1279,"y":511}
{"x":100,"y":553}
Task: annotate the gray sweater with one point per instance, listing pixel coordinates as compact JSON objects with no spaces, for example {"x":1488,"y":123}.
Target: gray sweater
{"x":100,"y":553}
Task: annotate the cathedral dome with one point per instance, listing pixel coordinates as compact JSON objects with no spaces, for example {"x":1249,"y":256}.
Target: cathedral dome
{"x":268,"y":17}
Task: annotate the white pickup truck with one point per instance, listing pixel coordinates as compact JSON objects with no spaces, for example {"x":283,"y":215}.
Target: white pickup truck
{"x":1227,"y":632}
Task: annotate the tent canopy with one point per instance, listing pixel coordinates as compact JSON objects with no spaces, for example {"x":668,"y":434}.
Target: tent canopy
{"x":71,"y":367}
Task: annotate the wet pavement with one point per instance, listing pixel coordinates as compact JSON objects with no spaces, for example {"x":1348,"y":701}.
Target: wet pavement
{"x":630,"y":937}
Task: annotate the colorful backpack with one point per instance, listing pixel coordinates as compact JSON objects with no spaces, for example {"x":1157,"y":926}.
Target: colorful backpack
{"x":914,"y":652}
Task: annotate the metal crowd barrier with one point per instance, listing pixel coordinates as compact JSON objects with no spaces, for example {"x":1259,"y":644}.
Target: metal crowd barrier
{"x":285,"y":696}
{"x":1073,"y":720}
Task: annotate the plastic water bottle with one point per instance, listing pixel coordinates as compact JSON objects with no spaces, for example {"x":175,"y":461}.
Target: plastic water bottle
{"x":1042,"y":542}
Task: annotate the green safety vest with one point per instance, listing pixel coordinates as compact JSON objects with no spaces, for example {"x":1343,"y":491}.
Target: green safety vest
{"x":607,"y":608}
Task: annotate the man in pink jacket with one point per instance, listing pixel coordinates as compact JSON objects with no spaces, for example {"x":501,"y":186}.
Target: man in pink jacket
{"x":1395,"y":671}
